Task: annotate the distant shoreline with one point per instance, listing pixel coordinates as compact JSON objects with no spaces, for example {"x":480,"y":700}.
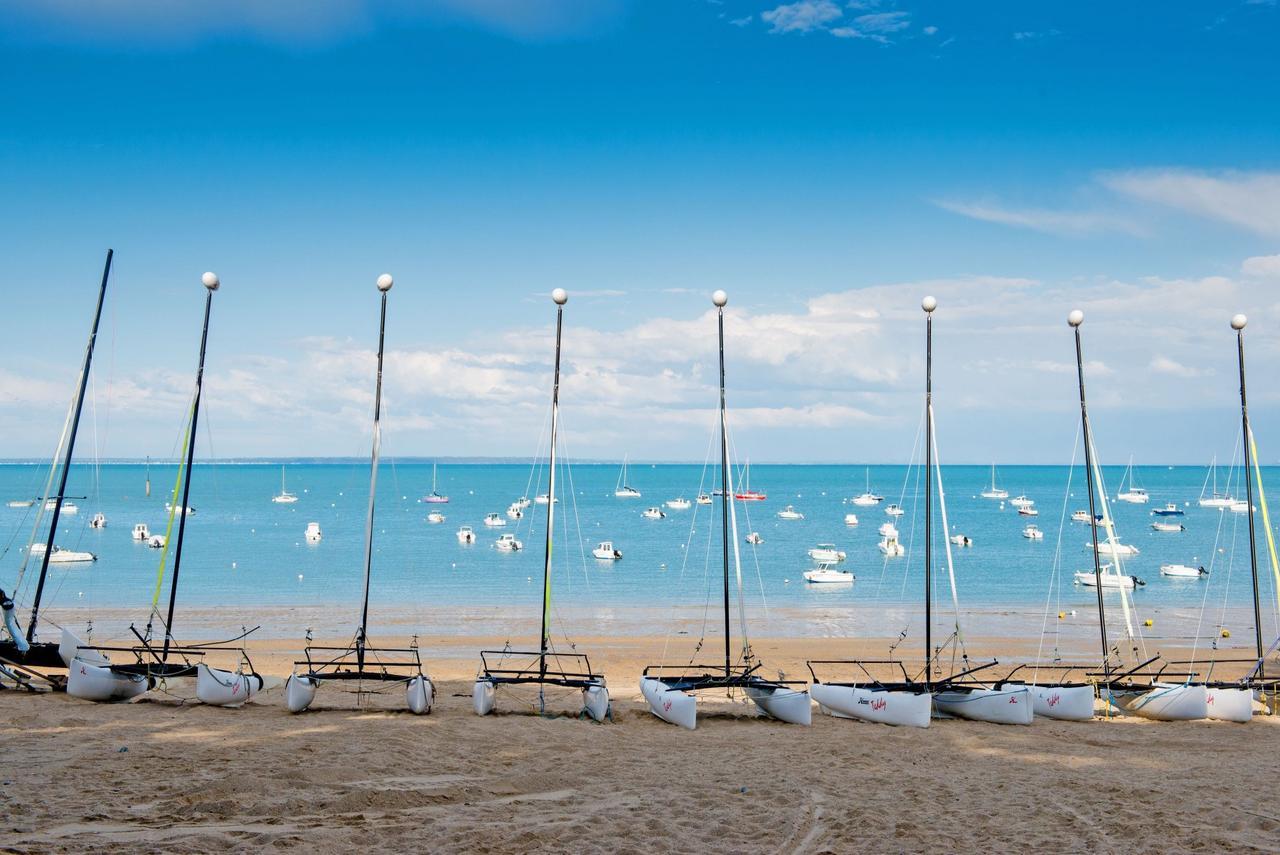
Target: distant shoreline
{"x":530,"y":461}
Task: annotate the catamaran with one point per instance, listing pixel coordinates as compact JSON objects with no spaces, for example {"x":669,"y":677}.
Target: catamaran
{"x":670,"y":690}
{"x":994,"y":492}
{"x":151,"y":662}
{"x":359,"y":661}
{"x":284,"y":497}
{"x":23,"y":655}
{"x":546,"y":666}
{"x":622,"y":489}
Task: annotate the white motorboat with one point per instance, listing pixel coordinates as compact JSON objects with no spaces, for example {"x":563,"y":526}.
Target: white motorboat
{"x":606,"y":552}
{"x":894,"y":510}
{"x":961,"y":540}
{"x":1080,"y":516}
{"x":825,"y":574}
{"x":313,"y":533}
{"x":679,"y":504}
{"x":1021,"y":502}
{"x":63,"y":556}
{"x":754,"y":538}
{"x":542,"y":499}
{"x":435,"y":517}
{"x":1033,"y":532}
{"x":1009,"y":704}
{"x":850,"y":519}
{"x":887,"y":529}
{"x":704,"y":499}
{"x":169,"y":508}
{"x":1134,"y":496}
{"x":1170,"y":527}
{"x":1170,"y":509}
{"x":494,"y":520}
{"x":994,"y":492}
{"x":1123,"y":550}
{"x":1182,"y":571}
{"x":514,"y":511}
{"x":652,"y":513}
{"x":622,"y":489}
{"x":156,"y":541}
{"x":67,"y":507}
{"x":508,"y":543}
{"x":826,"y":553}
{"x":1028,"y":511}
{"x":1109,"y":580}
{"x":99,"y":521}
{"x":466,"y":534}
{"x":1240,"y":507}
{"x":141,"y":532}
{"x":890,"y":546}
{"x":522,"y":503}
{"x":790,"y":513}
{"x":284,"y":497}
{"x":21,"y":503}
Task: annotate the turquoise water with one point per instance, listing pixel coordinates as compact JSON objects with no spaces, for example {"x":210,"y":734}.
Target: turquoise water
{"x":243,"y":551}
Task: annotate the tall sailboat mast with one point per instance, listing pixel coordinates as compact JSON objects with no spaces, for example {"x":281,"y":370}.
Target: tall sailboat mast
{"x":384,"y":285}
{"x":560,"y":296}
{"x":1075,"y":319}
{"x":929,"y":304}
{"x":66,"y":457}
{"x":1238,"y":323}
{"x":720,"y":298}
{"x":211,"y":283}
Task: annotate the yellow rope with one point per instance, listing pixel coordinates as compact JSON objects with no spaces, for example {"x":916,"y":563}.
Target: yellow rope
{"x":173,"y":510}
{"x":1266,"y":518}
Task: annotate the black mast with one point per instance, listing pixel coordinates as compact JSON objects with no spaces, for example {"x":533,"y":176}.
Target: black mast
{"x":66,"y":457}
{"x":720,"y":299}
{"x":1238,"y":323}
{"x":211,"y":284}
{"x":928,"y":304}
{"x":384,"y":285}
{"x":1075,"y":319}
{"x":560,"y":298}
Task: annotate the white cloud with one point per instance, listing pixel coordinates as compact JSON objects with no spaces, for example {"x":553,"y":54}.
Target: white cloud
{"x":802,"y":16}
{"x":930,"y":30}
{"x":1165,"y":365}
{"x":741,"y":22}
{"x":877,"y":26}
{"x":1261,"y":267}
{"x":1064,"y":223}
{"x":1247,"y":199}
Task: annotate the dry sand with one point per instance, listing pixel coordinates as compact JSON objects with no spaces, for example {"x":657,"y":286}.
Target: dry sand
{"x":160,"y":775}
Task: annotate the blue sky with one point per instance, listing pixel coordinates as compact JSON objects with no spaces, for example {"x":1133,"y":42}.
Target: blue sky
{"x":827,"y":163}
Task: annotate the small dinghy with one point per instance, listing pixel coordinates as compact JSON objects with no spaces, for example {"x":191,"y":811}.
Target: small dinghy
{"x":1168,"y":527}
{"x":156,"y":541}
{"x":435,"y":517}
{"x":99,"y":521}
{"x":826,"y":553}
{"x":514,"y":511}
{"x":141,"y":532}
{"x":679,"y":504}
{"x":790,"y":513}
{"x":704,"y":499}
{"x":63,"y":556}
{"x":1033,"y":532}
{"x":754,"y":538}
{"x":894,"y":510}
{"x":653,"y":513}
{"x":466,"y":534}
{"x":508,"y":543}
{"x":825,"y":574}
{"x":851,"y":519}
{"x":1028,"y":512}
{"x":1182,"y":571}
{"x":494,"y":520}
{"x":313,"y":533}
{"x":961,"y":540}
{"x":1123,"y":581}
{"x":605,"y":551}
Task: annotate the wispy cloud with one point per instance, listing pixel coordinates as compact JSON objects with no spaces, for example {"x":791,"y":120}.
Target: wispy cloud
{"x":807,"y":16}
{"x":803,"y":16}
{"x":1164,"y":365}
{"x":877,"y":26}
{"x":1262,"y":267}
{"x":1063,"y":223}
{"x":1247,"y":199}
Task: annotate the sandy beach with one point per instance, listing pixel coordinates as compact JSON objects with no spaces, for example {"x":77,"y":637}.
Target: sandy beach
{"x":159,"y":774}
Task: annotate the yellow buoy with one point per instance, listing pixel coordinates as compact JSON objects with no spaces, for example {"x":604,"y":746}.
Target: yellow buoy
{"x":1062,"y":615}
{"x":1148,"y":622}
{"x":1226,"y":633}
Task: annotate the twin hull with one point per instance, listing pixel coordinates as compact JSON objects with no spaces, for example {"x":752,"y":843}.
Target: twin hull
{"x":681,"y":708}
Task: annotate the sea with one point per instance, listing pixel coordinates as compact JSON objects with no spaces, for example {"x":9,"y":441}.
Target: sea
{"x":244,"y":554}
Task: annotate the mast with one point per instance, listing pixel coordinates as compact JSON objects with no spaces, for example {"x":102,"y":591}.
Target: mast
{"x":148,"y":476}
{"x":1075,"y":319}
{"x":1238,"y":324}
{"x":384,"y":285}
{"x":928,"y":304}
{"x":720,"y":299}
{"x":66,"y":458}
{"x":211,"y":284}
{"x":560,"y":297}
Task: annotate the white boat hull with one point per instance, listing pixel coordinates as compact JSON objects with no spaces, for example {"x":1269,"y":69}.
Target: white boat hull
{"x":420,"y":694}
{"x":91,"y":682}
{"x":69,"y":649}
{"x":883,"y":706}
{"x":1228,"y":703}
{"x":672,"y":706}
{"x":299,"y":692}
{"x":1065,"y":703}
{"x":484,"y":697}
{"x":782,"y":703}
{"x":225,"y":688}
{"x":1163,"y":702}
{"x":1011,"y":705}
{"x":595,"y":702}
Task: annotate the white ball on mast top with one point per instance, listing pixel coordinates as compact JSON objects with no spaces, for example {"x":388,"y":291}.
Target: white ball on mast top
{"x":720,"y":298}
{"x":1076,"y":318}
{"x":210,"y":280}
{"x":929,"y":304}
{"x":385,"y":282}
{"x":560,"y":295}
{"x":1238,"y":322}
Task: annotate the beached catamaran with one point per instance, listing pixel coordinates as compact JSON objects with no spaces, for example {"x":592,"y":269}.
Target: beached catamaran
{"x":359,"y":661}
{"x":910,"y":700}
{"x":22,"y":655}
{"x":669,"y":688}
{"x":545,"y":666}
{"x":150,"y":662}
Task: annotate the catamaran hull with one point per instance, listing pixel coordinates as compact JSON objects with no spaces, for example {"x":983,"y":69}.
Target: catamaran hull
{"x":419,"y":695}
{"x":998,"y":706}
{"x":670,"y":705}
{"x":782,"y":703}
{"x":69,"y":649}
{"x":1065,"y":703}
{"x":1163,"y":702}
{"x":1228,"y":703}
{"x":484,"y":697}
{"x":225,"y":688}
{"x":883,"y":706}
{"x":91,"y":682}
{"x":595,"y":702}
{"x":299,"y":692}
